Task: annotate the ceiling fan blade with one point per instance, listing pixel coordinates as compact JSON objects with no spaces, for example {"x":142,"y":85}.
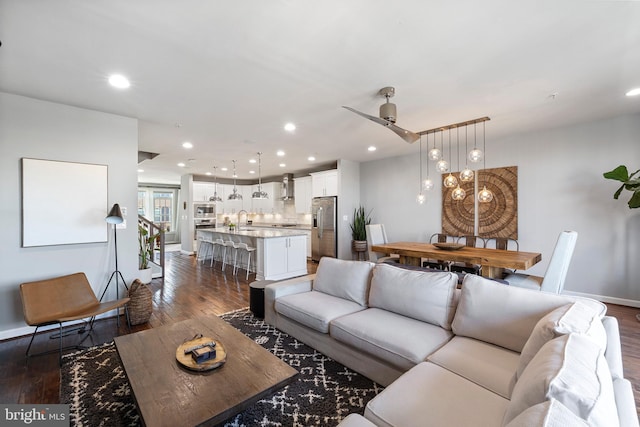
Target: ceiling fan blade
{"x":408,"y":136}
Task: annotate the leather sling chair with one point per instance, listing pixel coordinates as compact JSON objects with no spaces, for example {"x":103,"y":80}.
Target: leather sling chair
{"x":59,"y":300}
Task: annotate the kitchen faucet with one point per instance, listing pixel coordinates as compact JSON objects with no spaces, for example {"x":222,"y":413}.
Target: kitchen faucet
{"x":246,"y":214}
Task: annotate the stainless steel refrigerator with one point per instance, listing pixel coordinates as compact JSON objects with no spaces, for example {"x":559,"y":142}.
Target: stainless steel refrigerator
{"x":324,"y":240}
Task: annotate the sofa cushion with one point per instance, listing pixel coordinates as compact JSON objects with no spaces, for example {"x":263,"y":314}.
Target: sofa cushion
{"x":356,"y":420}
{"x":429,"y":395}
{"x":548,"y":414}
{"x":485,"y":364}
{"x":398,"y":340}
{"x":344,"y":279}
{"x":505,"y":315}
{"x":570,"y":318}
{"x":315,"y":309}
{"x":421,"y":295}
{"x":573,"y":370}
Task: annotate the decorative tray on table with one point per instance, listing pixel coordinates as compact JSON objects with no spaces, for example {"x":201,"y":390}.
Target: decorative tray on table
{"x":201,"y":354}
{"x":448,"y":246}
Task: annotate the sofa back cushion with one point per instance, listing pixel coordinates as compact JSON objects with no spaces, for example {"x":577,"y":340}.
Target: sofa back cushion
{"x":576,"y":317}
{"x":344,"y":279}
{"x":424,"y":296}
{"x":573,"y":370}
{"x":505,"y":315}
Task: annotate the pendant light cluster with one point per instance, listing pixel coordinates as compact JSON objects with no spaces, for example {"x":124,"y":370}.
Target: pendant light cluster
{"x":442,"y":165}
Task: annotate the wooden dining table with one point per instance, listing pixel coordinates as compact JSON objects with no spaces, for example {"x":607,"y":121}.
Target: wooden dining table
{"x":493,"y":261}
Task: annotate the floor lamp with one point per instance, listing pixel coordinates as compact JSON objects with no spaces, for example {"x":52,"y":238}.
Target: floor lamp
{"x":115,"y":217}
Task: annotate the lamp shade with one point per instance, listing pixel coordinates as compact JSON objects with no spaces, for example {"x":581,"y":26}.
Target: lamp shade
{"x":115,"y":215}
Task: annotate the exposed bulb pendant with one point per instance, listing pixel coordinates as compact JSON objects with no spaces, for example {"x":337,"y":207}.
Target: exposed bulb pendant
{"x":442,"y":165}
{"x":458,"y":193}
{"x":215,"y":197}
{"x":435,"y":154}
{"x":466,"y":175}
{"x":259,"y":194}
{"x":450,"y":181}
{"x":427,"y":184}
{"x":476,"y":155}
{"x":235,"y":195}
{"x":420,"y":198}
{"x":485,"y":196}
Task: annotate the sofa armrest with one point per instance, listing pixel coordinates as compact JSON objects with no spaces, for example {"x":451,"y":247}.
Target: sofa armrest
{"x":613,"y":352}
{"x":276,"y":290}
{"x":625,"y":403}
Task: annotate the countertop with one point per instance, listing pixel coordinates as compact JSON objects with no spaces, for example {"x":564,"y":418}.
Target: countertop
{"x":258,"y":232}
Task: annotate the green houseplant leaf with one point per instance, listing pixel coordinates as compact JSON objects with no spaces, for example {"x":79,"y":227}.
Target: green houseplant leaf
{"x":621,"y":174}
{"x":146,"y":243}
{"x":360,"y":219}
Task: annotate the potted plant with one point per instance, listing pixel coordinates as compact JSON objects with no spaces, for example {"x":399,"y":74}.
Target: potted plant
{"x":145,"y":253}
{"x":358,"y":231}
{"x":628,"y":183}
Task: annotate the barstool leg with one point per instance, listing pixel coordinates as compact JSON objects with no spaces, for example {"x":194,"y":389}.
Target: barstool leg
{"x":248,"y":264}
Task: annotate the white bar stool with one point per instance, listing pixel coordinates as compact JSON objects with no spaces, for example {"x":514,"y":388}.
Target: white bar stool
{"x":205,"y":247}
{"x":244,"y":248}
{"x":218,"y":244}
{"x":231,"y":246}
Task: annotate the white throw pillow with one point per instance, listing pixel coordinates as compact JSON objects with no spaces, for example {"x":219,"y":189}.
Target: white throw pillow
{"x":421,"y":295}
{"x":548,"y":414}
{"x":571,"y":318}
{"x":344,"y":279}
{"x":573,"y":370}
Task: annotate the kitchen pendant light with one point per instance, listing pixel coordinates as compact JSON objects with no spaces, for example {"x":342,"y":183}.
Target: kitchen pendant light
{"x":235,"y":195}
{"x":467,"y":174}
{"x":484,"y":195}
{"x":259,"y":194}
{"x":215,"y":197}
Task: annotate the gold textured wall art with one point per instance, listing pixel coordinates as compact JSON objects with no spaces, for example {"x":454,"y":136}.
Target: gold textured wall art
{"x":499,"y":218}
{"x":458,"y":216}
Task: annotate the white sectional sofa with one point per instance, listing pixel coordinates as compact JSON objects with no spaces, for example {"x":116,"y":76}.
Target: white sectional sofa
{"x":485,"y":355}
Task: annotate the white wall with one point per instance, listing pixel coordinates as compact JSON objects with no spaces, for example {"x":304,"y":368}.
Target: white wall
{"x":560,"y":187}
{"x":45,"y":130}
{"x":348,"y":200}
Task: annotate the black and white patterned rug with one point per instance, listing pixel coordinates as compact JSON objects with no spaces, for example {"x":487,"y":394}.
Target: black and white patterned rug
{"x":95,"y":386}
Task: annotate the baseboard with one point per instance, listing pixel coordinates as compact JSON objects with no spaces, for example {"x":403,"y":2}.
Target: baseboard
{"x":28,"y":330}
{"x":606,"y":299}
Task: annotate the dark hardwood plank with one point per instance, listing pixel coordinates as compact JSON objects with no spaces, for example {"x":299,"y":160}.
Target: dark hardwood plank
{"x":192,"y":289}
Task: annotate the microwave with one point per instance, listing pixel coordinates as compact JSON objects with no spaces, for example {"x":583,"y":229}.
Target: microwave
{"x":204,"y":211}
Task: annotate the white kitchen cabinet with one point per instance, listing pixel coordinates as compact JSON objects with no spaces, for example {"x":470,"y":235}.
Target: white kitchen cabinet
{"x":302,"y":194}
{"x":283,"y":257}
{"x":324,"y":183}
{"x":265,"y":205}
{"x":202,"y":191}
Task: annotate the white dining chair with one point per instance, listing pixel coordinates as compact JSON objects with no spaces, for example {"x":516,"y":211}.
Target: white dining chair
{"x":554,"y":277}
{"x":376,"y":235}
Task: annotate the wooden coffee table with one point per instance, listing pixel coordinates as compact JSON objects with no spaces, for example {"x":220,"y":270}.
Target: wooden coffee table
{"x":169,"y":395}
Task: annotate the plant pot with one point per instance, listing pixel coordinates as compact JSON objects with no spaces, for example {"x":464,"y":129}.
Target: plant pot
{"x":359,"y":245}
{"x":140,"y":305}
{"x":145,"y":275}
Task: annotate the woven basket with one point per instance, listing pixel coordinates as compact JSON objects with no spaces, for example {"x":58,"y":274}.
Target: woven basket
{"x":140,"y":306}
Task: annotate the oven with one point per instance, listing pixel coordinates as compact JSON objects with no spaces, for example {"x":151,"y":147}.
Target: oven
{"x":203,"y":224}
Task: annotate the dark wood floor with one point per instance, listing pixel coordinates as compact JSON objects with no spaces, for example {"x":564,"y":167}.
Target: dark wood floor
{"x":191,"y":289}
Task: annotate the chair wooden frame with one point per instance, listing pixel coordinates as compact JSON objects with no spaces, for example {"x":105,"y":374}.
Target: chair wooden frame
{"x":60,"y":300}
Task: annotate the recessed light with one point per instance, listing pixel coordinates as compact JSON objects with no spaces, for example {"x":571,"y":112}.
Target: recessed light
{"x":280,"y":153}
{"x":252,"y":160}
{"x":208,"y":173}
{"x":282,"y":165}
{"x":633,"y":92}
{"x":289,"y":127}
{"x":252,"y":172}
{"x":224,"y":169}
{"x":181,"y":164}
{"x":187,"y":144}
{"x":119,"y":81}
{"x":372,"y":148}
{"x":311,"y":158}
{"x":140,"y":170}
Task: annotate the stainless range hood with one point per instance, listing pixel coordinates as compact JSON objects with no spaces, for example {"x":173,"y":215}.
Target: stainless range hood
{"x":287,"y":186}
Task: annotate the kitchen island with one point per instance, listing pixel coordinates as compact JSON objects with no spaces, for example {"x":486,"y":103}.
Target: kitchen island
{"x":280,"y":253}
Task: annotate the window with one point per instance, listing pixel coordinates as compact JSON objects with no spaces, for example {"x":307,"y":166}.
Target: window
{"x":163,"y":209}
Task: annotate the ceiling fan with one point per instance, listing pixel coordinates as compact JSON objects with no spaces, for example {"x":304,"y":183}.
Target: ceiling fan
{"x":388,"y":116}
